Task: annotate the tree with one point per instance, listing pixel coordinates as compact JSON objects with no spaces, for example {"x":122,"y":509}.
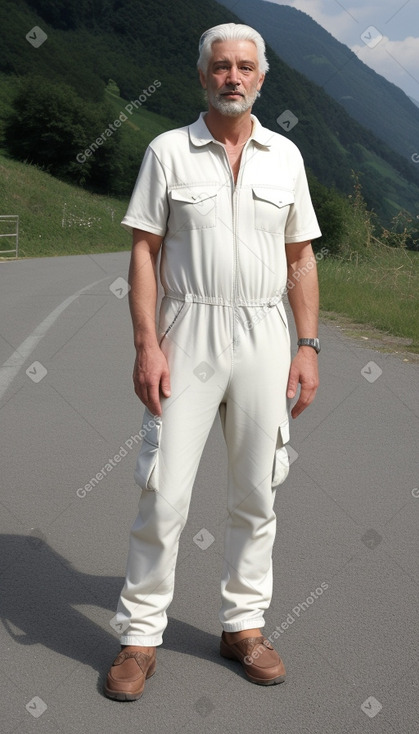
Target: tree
{"x":51,"y":126}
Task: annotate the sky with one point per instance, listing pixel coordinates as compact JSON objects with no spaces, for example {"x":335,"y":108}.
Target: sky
{"x":384,"y":34}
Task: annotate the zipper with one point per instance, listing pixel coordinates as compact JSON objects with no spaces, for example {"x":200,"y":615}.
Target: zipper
{"x":235,"y":197}
{"x":236,"y":261}
{"x":236,"y":240}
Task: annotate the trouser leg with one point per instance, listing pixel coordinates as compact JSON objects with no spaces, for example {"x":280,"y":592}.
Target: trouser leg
{"x":154,"y":538}
{"x":198,"y":378}
{"x":254,"y":418}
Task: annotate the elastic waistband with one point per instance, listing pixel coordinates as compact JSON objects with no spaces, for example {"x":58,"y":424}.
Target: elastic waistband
{"x":219,"y":301}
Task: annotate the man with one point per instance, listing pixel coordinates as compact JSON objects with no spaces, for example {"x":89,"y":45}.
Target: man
{"x":225,"y":202}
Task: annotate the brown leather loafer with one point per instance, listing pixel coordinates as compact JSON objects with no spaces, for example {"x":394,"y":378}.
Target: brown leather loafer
{"x":130,"y":669}
{"x":261,"y":663}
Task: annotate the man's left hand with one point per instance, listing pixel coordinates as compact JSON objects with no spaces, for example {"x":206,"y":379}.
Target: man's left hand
{"x":304,"y":371}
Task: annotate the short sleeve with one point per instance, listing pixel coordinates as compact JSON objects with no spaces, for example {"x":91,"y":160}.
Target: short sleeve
{"x":148,"y":207}
{"x":302,"y":222}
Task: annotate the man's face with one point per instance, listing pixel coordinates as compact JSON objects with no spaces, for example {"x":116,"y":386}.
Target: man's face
{"x":233,"y":78}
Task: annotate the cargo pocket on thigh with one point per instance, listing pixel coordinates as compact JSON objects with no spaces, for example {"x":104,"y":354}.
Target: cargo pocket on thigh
{"x":147,"y":469}
{"x":281,"y":464}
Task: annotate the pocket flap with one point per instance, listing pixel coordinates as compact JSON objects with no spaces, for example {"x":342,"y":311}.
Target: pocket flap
{"x":152,"y":428}
{"x":279,"y":197}
{"x":146,"y":470}
{"x":281,"y":467}
{"x":192,"y":196}
{"x":284,"y":433}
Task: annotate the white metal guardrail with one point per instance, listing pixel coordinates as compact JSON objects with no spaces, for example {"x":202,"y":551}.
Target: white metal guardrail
{"x":9,"y":227}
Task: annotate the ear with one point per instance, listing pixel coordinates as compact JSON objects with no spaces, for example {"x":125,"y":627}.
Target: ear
{"x":260,"y":81}
{"x":202,"y":78}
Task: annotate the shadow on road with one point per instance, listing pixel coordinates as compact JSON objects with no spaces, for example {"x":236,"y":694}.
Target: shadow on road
{"x":40,"y":590}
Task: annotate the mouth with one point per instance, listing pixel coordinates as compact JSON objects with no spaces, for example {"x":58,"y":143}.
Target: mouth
{"x":235,"y":95}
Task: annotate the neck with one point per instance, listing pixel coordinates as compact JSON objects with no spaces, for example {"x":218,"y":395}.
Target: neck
{"x":229,"y":130}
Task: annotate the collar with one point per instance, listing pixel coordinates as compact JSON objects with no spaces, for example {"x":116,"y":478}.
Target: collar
{"x":200,"y":135}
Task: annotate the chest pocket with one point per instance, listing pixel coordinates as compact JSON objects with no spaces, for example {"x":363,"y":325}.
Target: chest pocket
{"x":193,"y":207}
{"x":271,"y":207}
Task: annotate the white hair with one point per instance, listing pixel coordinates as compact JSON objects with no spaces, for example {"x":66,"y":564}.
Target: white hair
{"x":230,"y":32}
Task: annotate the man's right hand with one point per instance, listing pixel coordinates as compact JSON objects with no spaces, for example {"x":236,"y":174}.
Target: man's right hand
{"x":151,"y":375}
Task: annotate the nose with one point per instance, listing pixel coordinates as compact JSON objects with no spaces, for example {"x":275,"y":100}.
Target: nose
{"x":233,"y":76}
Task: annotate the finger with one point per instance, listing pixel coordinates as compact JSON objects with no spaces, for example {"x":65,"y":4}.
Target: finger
{"x":139,"y":390}
{"x":292,"y":384}
{"x":306,"y":397}
{"x":148,"y":395}
{"x":297,"y":409}
{"x":153,"y":400}
{"x":165,"y":384}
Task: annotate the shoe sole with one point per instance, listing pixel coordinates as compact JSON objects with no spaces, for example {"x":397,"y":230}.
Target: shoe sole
{"x":122,"y":696}
{"x":225,"y":652}
{"x":270,"y":682}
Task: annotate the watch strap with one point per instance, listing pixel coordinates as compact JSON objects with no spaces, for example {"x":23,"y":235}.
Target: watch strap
{"x":315,"y":343}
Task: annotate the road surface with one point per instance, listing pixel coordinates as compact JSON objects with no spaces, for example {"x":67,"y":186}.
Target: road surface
{"x":344,"y":611}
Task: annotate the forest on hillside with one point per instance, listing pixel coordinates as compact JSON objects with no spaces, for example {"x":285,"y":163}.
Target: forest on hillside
{"x":61,"y":96}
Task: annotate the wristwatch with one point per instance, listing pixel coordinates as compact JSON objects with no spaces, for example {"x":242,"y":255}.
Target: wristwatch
{"x":315,"y":343}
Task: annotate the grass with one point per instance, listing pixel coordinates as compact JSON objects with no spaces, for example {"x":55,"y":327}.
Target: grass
{"x":380,"y":290}
{"x":56,"y":218}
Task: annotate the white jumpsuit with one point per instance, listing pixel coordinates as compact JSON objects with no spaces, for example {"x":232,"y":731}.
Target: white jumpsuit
{"x":223,"y":329}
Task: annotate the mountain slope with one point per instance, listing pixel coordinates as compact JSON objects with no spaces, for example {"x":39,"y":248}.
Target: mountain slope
{"x":91,"y":41}
{"x":369,"y":98}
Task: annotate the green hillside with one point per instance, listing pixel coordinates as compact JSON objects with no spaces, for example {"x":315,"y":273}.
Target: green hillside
{"x":136,"y":44}
{"x":57,"y":218}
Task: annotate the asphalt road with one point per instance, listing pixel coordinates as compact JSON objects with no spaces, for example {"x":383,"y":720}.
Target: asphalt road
{"x":346,"y":571}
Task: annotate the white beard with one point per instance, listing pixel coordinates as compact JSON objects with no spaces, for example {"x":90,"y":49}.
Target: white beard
{"x":230,"y":107}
